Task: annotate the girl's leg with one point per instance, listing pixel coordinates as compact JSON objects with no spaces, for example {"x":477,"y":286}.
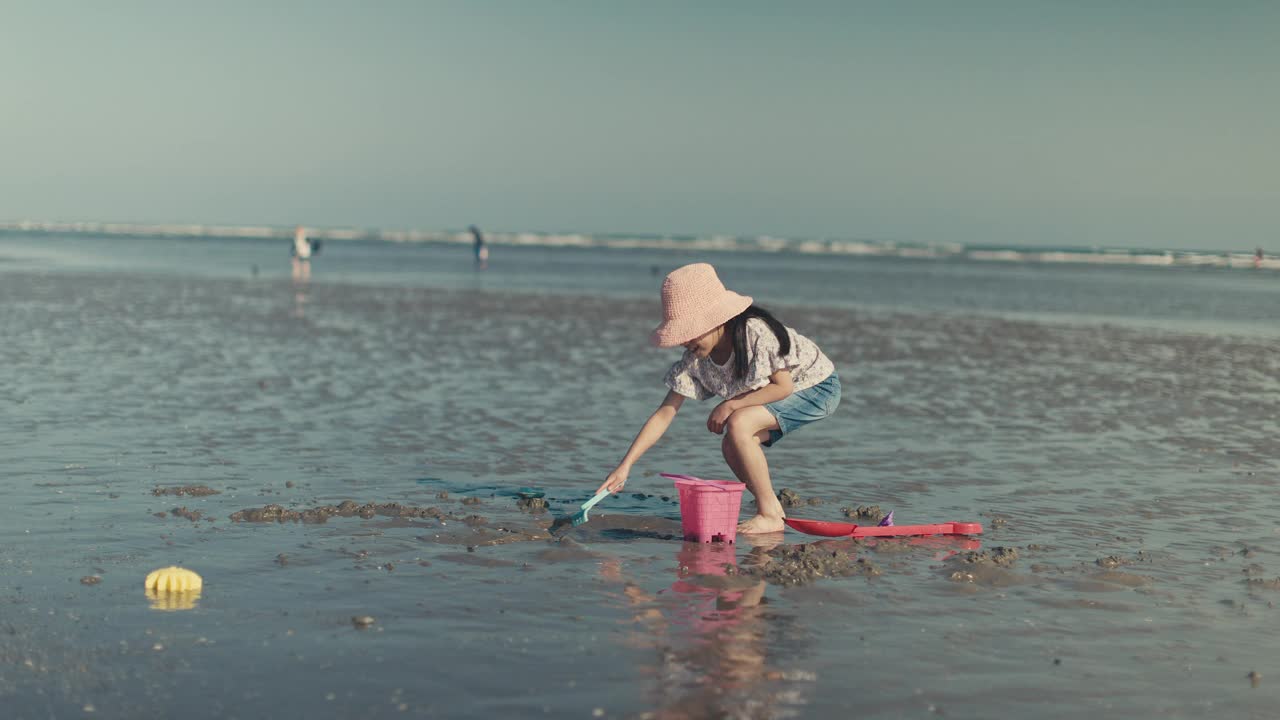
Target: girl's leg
{"x":743,"y":433}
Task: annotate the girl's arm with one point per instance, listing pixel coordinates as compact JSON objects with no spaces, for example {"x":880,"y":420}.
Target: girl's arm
{"x":653,"y":429}
{"x":779,"y":387}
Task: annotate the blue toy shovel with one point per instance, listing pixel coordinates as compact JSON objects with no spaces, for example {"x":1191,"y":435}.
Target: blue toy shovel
{"x":579,"y":517}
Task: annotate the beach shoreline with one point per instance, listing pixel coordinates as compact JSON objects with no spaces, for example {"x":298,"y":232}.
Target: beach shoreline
{"x":1128,"y":468}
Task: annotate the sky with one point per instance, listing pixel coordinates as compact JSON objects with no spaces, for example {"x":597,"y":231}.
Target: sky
{"x":1081,"y":123}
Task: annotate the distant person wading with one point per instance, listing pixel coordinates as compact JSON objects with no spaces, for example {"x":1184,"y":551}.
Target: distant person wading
{"x":302,"y":250}
{"x":480,"y":248}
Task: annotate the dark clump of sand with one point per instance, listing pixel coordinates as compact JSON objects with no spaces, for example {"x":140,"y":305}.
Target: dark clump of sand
{"x":986,"y":567}
{"x":999,"y":556}
{"x":183,"y":512}
{"x":869,"y":513}
{"x":791,"y":498}
{"x":346,"y":508}
{"x":193,"y":490}
{"x":532,"y":505}
{"x":625,"y":528}
{"x":791,"y":565}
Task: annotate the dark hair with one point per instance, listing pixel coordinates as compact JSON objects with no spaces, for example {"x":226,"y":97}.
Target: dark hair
{"x":737,"y":329}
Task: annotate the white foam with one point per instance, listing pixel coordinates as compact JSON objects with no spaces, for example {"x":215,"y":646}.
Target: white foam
{"x":714,"y":243}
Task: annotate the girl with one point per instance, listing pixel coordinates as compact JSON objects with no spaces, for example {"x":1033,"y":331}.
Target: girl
{"x":773,"y":381}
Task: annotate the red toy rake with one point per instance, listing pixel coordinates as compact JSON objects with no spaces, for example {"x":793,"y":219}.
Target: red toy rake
{"x":839,"y":529}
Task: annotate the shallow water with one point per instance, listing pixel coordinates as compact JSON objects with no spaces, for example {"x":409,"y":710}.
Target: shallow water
{"x":1129,"y":464}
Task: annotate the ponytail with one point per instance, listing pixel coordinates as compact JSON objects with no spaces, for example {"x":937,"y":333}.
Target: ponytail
{"x":737,"y":329}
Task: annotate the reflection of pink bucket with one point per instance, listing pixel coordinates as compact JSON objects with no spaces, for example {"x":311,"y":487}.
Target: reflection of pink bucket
{"x":708,"y":508}
{"x":695,"y":560}
{"x":701,"y":581}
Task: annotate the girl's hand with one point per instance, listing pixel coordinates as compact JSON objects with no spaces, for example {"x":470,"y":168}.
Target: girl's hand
{"x":719,"y":416}
{"x":615,"y":481}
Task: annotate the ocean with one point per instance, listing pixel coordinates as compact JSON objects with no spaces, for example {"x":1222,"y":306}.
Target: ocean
{"x":1111,"y":424}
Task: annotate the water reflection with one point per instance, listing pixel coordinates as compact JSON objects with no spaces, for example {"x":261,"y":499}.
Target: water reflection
{"x":168,"y":600}
{"x":714,"y":639}
{"x":300,"y":296}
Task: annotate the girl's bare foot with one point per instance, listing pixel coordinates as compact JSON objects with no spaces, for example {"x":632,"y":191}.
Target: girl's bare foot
{"x":761,"y":524}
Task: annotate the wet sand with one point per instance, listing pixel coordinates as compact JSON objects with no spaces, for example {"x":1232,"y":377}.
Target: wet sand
{"x":1124,"y":477}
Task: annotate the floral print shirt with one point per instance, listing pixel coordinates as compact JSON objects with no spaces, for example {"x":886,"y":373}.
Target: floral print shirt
{"x":701,"y":378}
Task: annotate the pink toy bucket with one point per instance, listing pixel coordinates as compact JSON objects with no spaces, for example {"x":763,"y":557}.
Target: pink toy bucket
{"x":708,"y":508}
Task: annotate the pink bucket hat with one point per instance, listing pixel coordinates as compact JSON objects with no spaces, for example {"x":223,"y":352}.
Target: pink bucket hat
{"x":694,"y":302}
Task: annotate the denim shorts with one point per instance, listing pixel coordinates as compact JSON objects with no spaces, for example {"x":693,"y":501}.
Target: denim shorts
{"x":801,"y":408}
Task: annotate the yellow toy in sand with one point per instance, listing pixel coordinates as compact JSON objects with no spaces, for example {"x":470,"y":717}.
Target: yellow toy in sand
{"x":173,"y":579}
{"x":173,"y":588}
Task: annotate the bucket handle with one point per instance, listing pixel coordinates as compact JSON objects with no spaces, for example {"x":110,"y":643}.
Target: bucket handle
{"x":677,"y":476}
